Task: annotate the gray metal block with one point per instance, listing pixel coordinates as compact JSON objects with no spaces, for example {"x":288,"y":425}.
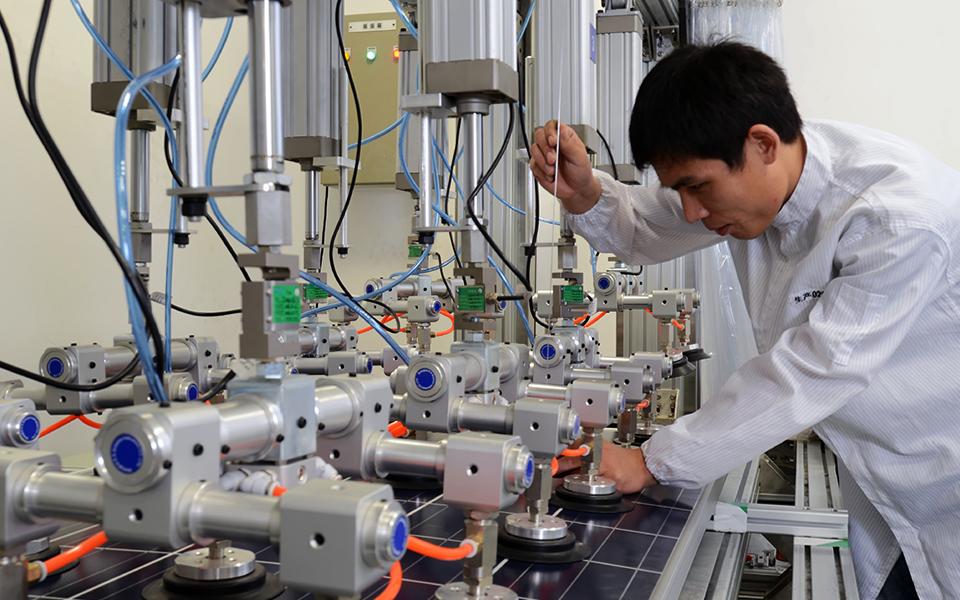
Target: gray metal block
{"x":545,"y":427}
{"x":485,"y":471}
{"x":294,"y":398}
{"x":339,"y":537}
{"x":148,"y":457}
{"x":16,"y":465}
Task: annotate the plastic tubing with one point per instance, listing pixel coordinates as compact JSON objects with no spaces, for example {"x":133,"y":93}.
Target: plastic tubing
{"x":212,"y":149}
{"x":456,"y":182}
{"x":448,"y":315}
{"x":352,"y":304}
{"x":385,"y":320}
{"x":396,"y":581}
{"x":76,"y":553}
{"x":581,"y":451}
{"x":397,"y":429}
{"x":377,"y":292}
{"x":51,"y":428}
{"x":506,"y":284}
{"x":465,"y":549}
{"x":123,"y":217}
{"x":379,"y":134}
{"x":218,"y":50}
{"x":89,"y":422}
{"x":592,"y":321}
{"x":406,"y":22}
{"x":526,"y":21}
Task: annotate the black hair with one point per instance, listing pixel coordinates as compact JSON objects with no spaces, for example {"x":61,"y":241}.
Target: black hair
{"x":701,"y":101}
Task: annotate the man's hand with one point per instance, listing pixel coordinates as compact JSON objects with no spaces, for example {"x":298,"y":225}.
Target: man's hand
{"x":577,"y":189}
{"x":627,"y":467}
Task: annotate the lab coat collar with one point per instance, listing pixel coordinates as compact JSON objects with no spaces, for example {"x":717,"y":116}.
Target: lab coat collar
{"x":811,"y":187}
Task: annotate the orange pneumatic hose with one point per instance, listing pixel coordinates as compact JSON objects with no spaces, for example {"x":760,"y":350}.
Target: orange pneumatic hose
{"x":74,"y":554}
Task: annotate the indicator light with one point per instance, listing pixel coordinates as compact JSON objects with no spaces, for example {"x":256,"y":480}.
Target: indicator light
{"x":371,"y":53}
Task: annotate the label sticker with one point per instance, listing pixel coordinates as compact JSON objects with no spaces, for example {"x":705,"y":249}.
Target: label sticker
{"x":471,"y":298}
{"x":571,"y":294}
{"x":286,"y":304}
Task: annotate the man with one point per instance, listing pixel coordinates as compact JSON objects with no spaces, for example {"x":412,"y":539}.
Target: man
{"x":844,"y":242}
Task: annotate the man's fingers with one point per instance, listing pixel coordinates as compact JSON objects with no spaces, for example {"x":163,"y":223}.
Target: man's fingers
{"x":568,"y":463}
{"x":540,"y":159}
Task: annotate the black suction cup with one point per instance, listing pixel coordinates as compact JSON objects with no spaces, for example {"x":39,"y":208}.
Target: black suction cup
{"x":606,"y":504}
{"x":257,"y":585}
{"x":552,"y":552}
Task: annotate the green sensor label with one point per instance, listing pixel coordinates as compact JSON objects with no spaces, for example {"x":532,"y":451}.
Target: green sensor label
{"x":313,"y":293}
{"x":286,"y":304}
{"x":414,"y":251}
{"x":471,"y":298}
{"x":571,"y":294}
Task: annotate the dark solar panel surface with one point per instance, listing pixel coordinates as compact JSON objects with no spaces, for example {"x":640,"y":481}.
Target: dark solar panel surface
{"x":629,"y":553}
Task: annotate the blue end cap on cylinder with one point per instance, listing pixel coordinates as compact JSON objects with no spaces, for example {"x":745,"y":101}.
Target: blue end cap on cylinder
{"x":437,"y":306}
{"x":576,"y":426}
{"x":55,"y":367}
{"x":29,"y":428}
{"x":603,"y":283}
{"x":528,"y":472}
{"x":126,"y":453}
{"x":548,"y":351}
{"x":425,"y":379}
{"x":370,"y":289}
{"x":369,"y":365}
{"x":398,"y":542}
{"x":193,"y":392}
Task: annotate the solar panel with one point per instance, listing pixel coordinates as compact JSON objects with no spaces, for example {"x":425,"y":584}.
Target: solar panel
{"x":629,"y":554}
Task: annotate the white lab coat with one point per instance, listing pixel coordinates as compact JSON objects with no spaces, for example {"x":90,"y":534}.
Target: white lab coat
{"x":856,"y":311}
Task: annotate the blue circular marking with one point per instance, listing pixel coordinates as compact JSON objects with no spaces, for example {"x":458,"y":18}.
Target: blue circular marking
{"x":55,"y":367}
{"x":126,"y":453}
{"x":503,"y":305}
{"x":576,"y":426}
{"x":29,"y":428}
{"x":369,"y":365}
{"x":437,"y":306}
{"x":425,"y":379}
{"x":528,"y":472}
{"x":370,"y":289}
{"x":603,"y":283}
{"x":548,"y":351}
{"x":401,"y":532}
{"x":193,"y":392}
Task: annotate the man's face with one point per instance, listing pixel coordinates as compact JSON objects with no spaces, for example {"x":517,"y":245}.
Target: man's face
{"x":740,"y":202}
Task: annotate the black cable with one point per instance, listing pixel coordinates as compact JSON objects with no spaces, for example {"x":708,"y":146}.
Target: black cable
{"x":479,"y":187}
{"x":531,"y":250}
{"x":443,"y":277}
{"x":356,"y":168}
{"x":613,"y":161}
{"x":76,"y":192}
{"x":73,"y":387}
{"x":166,"y":135}
{"x":219,"y":387}
{"x":226,"y":244}
{"x":323,"y":230}
{"x":200,"y":313}
{"x":446,"y":196}
{"x":390,"y":311}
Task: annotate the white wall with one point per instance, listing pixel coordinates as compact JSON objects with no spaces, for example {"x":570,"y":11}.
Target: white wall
{"x":868,"y":62}
{"x":881,"y":63}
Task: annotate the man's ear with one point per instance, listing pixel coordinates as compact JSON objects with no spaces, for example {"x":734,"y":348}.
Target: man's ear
{"x":764,"y":142}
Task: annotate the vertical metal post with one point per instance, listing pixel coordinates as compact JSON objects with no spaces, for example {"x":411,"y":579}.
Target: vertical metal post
{"x":266,"y":112}
{"x":13,"y":578}
{"x":473,"y":160}
{"x":343,"y":243}
{"x":140,"y":175}
{"x":426,"y":172}
{"x":191,"y":95}
{"x":312,"y":217}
